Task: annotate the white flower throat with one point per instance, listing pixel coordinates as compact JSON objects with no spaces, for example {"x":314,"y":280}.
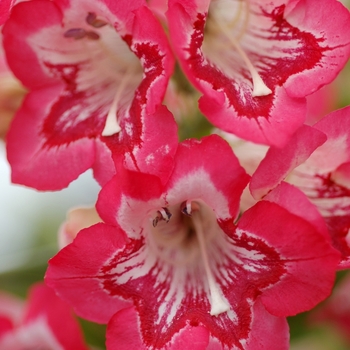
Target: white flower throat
{"x":181,"y":236}
{"x":226,"y":23}
{"x":120,"y":65}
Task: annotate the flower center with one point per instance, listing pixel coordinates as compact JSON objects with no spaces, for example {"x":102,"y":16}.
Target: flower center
{"x":182,"y":236}
{"x":115,"y":66}
{"x":226,"y":24}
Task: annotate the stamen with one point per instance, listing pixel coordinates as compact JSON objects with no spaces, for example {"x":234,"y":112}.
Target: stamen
{"x":92,"y":35}
{"x":75,"y":33}
{"x":165,"y":214}
{"x":259,"y":87}
{"x":112,"y":126}
{"x":92,"y":19}
{"x":218,"y":303}
{"x":186,"y":208}
{"x":162,"y":214}
{"x":157,"y":219}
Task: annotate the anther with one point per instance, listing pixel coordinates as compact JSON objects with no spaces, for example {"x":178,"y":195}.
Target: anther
{"x":156,"y":219}
{"x":166,"y":215}
{"x":162,"y":214}
{"x":75,"y":33}
{"x":92,"y":35}
{"x":186,"y":208}
{"x":92,"y":20}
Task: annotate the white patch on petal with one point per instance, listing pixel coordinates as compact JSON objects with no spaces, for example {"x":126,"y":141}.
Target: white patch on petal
{"x":330,"y":198}
{"x":149,"y":159}
{"x":136,"y":266}
{"x":129,"y":127}
{"x":249,"y":254}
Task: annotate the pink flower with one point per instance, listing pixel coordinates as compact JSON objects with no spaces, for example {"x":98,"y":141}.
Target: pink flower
{"x":255,"y":61}
{"x":169,"y":267}
{"x":97,"y":71}
{"x":317,"y":160}
{"x":45,"y":322}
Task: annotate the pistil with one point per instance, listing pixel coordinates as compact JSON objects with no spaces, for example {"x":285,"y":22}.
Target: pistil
{"x":112,"y":126}
{"x":218,"y":303}
{"x":259,"y":87}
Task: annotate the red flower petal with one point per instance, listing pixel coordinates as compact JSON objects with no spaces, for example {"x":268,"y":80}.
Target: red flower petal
{"x":164,"y":273}
{"x":288,"y":43}
{"x":33,"y":164}
{"x":278,"y":162}
{"x":309,"y":260}
{"x":78,"y":281}
{"x":322,"y":174}
{"x":108,"y":76}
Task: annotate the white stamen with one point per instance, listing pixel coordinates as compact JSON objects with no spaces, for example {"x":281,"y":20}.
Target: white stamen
{"x":112,"y":126}
{"x":188,"y":207}
{"x":218,"y":303}
{"x":166,"y":215}
{"x":259,"y":87}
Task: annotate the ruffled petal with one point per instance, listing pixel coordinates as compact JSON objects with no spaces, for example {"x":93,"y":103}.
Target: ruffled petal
{"x":75,"y":273}
{"x":33,"y":163}
{"x":287,"y":43}
{"x":278,"y":162}
{"x":308,"y":259}
{"x":106,"y":73}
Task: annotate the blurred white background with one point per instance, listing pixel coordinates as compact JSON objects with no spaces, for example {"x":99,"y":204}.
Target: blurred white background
{"x":29,"y":219}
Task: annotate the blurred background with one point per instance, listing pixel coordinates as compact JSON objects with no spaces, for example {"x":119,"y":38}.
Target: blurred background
{"x":29,"y":222}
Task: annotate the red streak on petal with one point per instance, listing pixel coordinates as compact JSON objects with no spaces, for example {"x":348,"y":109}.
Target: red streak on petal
{"x":306,"y":56}
{"x":329,"y":188}
{"x":61,"y":125}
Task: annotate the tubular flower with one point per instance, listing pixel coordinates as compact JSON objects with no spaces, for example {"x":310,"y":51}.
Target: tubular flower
{"x":45,"y":322}
{"x":96,"y":70}
{"x":169,"y":266}
{"x":255,"y":61}
{"x":317,"y":161}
